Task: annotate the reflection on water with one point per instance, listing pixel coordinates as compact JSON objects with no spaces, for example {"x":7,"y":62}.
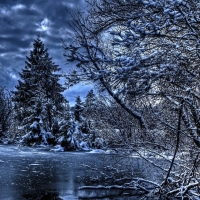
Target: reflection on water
{"x":27,"y":173}
{"x":43,"y":196}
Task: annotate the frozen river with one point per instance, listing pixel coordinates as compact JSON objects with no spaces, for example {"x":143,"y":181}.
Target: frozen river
{"x":31,"y":173}
{"x":38,"y":174}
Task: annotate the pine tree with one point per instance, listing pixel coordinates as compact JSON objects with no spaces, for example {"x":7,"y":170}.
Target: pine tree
{"x":38,"y":93}
{"x":5,"y":110}
{"x":89,"y":104}
{"x":78,"y":108}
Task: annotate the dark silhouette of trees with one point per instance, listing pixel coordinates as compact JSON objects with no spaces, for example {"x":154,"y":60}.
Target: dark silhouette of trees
{"x":38,"y":94}
{"x":6,"y":111}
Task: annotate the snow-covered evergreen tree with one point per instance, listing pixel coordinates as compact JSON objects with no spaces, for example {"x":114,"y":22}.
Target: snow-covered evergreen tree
{"x":78,"y":108}
{"x":38,"y":93}
{"x":89,"y":103}
{"x":88,"y":111}
{"x":90,"y":98}
{"x":6,"y":109}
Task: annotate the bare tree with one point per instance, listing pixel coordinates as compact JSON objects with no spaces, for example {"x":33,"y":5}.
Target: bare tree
{"x":151,"y":53}
{"x":145,"y":55}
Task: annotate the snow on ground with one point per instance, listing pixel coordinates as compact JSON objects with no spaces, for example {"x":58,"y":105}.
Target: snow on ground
{"x":97,"y":151}
{"x":84,"y":146}
{"x":57,"y":148}
{"x":108,"y":151}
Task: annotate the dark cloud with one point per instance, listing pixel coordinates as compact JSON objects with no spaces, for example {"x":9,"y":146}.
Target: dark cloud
{"x":20,"y":22}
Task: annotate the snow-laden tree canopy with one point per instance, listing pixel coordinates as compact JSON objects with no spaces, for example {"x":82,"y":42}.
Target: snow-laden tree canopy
{"x":144,"y":53}
{"x":38,"y":93}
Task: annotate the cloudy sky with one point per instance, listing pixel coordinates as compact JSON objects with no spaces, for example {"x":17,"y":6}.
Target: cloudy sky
{"x":20,"y":22}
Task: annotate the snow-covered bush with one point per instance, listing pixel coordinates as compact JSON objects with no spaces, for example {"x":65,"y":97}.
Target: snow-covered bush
{"x":84,"y":146}
{"x":37,"y":135}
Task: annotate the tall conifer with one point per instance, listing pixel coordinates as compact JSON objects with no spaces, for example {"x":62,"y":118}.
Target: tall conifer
{"x":38,"y":93}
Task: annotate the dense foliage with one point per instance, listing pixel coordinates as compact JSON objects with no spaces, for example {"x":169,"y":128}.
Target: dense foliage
{"x":6,"y":112}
